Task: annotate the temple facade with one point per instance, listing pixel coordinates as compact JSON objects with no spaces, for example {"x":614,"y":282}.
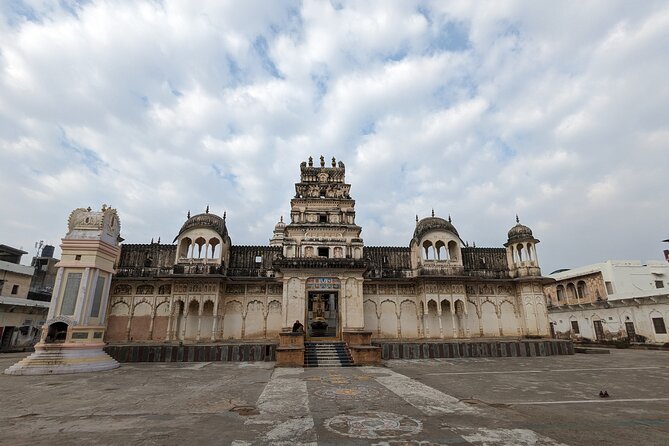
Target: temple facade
{"x":317,"y":270}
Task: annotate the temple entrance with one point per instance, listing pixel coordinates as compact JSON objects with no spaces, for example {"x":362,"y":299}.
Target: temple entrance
{"x":322,"y":315}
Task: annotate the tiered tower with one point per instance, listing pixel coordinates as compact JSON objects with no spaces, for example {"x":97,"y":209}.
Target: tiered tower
{"x":72,"y":337}
{"x":322,"y":215}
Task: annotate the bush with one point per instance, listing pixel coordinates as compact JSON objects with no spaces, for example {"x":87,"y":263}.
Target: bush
{"x":622,"y":343}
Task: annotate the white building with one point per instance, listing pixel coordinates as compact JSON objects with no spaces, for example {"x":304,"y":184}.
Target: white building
{"x":611,"y":300}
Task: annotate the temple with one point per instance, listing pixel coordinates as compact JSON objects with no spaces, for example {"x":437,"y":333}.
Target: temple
{"x":316,"y":269}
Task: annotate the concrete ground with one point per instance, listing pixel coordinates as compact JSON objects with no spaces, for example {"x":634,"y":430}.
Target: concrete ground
{"x":478,"y":401}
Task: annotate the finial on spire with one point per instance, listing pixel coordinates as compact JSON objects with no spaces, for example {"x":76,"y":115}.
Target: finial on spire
{"x":206,"y":211}
{"x":159,"y":240}
{"x":188,"y":214}
{"x":322,"y":161}
{"x":152,"y":240}
{"x":334,"y":162}
{"x":225,"y":213}
{"x":281,"y":219}
{"x":449,"y":218}
{"x":416,"y":218}
{"x":311,"y":162}
{"x":517,"y":219}
{"x":433,"y":212}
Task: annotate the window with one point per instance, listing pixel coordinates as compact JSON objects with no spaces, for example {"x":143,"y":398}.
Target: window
{"x":258,"y":259}
{"x":574,"y":327}
{"x":15,"y":289}
{"x":77,"y":257}
{"x":323,"y":252}
{"x":70,"y":294}
{"x":609,"y":287}
{"x":322,"y":218}
{"x":658,"y":324}
{"x":659,"y":284}
{"x":560,"y":293}
{"x":97,"y":296}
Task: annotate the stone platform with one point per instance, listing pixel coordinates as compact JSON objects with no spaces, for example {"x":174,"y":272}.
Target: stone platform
{"x":227,"y":352}
{"x":58,"y":359}
{"x":428,"y":349}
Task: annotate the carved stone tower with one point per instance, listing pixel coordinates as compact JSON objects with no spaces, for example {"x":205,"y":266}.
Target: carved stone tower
{"x":72,"y":336}
{"x":322,"y":215}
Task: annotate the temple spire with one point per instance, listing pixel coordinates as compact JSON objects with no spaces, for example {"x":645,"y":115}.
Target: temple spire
{"x":433,"y":212}
{"x":206,"y":211}
{"x":517,"y":219}
{"x":188,"y":214}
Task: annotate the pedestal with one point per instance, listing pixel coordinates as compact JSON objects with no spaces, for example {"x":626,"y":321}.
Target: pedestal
{"x":56,"y":359}
{"x":360,"y":345}
{"x":290,"y":352}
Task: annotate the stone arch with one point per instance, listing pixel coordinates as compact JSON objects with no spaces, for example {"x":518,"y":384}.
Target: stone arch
{"x":56,"y":333}
{"x":440,"y":248}
{"x":428,"y":250}
{"x":117,"y":321}
{"x":207,"y":319}
{"x":199,"y":245}
{"x":408,"y":319}
{"x":489,"y":318}
{"x":140,"y":324}
{"x":388,"y":319}
{"x":447,"y":318}
{"x":273,"y":319}
{"x":185,"y":248}
{"x":254,"y":322}
{"x":453,"y":250}
{"x":193,"y":311}
{"x":232,"y":320}
{"x":371,"y":316}
{"x":432,"y":319}
{"x":509,"y":322}
{"x":581,"y":289}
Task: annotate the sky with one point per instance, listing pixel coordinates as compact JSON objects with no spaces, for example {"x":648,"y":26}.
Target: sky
{"x":555,"y":111}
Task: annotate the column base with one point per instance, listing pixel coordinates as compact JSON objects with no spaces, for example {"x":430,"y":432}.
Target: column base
{"x":56,"y":359}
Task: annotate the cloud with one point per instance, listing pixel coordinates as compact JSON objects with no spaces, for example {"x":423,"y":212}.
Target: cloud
{"x":557,"y":112}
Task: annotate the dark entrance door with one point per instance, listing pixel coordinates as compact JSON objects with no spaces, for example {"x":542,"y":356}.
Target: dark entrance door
{"x":599,"y":330}
{"x":631,"y":332}
{"x":322,"y":314}
{"x":552,"y":329}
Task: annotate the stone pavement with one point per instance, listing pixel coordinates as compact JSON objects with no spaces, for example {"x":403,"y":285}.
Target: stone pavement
{"x":543,"y":401}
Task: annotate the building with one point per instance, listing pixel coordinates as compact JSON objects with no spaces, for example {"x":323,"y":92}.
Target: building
{"x":317,"y":270}
{"x":21,"y":318}
{"x":611,"y":300}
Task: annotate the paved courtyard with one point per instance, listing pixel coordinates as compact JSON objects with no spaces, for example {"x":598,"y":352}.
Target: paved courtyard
{"x":477,"y":401}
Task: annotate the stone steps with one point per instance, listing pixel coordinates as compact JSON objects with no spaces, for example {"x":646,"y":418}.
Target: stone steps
{"x":327,"y":354}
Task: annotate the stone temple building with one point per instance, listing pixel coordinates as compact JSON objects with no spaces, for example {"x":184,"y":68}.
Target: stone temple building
{"x":317,"y":270}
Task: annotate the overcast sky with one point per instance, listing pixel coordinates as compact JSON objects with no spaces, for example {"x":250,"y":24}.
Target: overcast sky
{"x":555,"y":111}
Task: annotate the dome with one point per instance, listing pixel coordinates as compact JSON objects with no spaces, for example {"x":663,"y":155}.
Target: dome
{"x":280,"y":226}
{"x":520,"y":232}
{"x":206,"y":220}
{"x":431,"y":224}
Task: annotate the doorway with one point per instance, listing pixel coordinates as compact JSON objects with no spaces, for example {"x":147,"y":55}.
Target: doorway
{"x":322,"y":315}
{"x":599,"y":330}
{"x":631,"y":332}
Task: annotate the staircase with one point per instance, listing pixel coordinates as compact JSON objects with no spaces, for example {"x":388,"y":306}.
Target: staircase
{"x":327,"y":354}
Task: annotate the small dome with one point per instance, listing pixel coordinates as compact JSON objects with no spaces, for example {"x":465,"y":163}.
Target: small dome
{"x":520,"y":232}
{"x":280,"y":226}
{"x":433,"y":223}
{"x":206,"y":220}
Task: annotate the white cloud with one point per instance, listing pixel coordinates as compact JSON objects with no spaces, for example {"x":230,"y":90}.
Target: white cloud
{"x":557,"y":112}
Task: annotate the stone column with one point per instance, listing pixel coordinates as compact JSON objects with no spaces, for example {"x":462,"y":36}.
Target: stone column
{"x":199,"y":320}
{"x":132,"y":311}
{"x":86,"y":316}
{"x":170,"y":309}
{"x":82,"y":295}
{"x":55,"y":295}
{"x":214,"y":324}
{"x":182,"y":337}
{"x":441,"y":328}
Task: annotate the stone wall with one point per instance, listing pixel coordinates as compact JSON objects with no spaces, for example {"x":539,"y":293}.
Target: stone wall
{"x":473,"y":349}
{"x":193,"y":353}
